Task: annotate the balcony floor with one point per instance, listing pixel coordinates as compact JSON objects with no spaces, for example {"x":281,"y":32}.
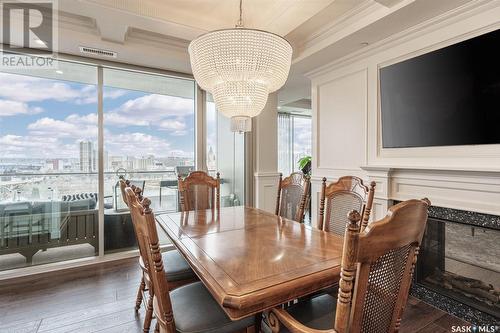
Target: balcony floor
{"x":101,"y":298}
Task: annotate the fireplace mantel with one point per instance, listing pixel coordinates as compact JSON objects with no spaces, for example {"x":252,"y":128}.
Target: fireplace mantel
{"x":471,"y":190}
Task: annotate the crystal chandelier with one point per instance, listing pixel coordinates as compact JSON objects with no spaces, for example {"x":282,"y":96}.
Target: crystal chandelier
{"x":240,"y":67}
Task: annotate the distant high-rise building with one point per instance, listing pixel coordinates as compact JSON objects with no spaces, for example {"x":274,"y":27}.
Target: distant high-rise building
{"x":94,"y":160}
{"x":144,"y":163}
{"x":86,"y":156}
{"x":54,"y":164}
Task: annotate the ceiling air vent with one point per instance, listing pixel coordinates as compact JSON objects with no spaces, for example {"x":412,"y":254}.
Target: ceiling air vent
{"x":97,"y":52}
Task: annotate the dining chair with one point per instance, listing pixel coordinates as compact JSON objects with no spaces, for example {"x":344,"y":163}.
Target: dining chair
{"x":293,"y":196}
{"x":199,"y":191}
{"x":189,"y":308}
{"x":178,"y":270}
{"x":376,"y":273}
{"x":346,"y":194}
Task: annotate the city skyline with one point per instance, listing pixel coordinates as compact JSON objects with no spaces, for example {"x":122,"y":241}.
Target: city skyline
{"x":46,"y":118}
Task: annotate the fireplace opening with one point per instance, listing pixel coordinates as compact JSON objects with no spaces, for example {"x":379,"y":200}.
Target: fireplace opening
{"x":462,"y":261}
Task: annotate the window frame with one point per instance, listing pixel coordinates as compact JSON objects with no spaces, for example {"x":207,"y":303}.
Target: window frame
{"x":200,"y":152}
{"x":291,"y":128}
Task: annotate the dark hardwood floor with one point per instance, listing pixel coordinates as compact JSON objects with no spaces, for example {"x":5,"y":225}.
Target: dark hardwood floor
{"x":101,"y":298}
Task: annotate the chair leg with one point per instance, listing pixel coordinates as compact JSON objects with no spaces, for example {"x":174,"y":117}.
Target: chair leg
{"x":149,"y":312}
{"x":138,"y":300}
{"x":157,"y":328}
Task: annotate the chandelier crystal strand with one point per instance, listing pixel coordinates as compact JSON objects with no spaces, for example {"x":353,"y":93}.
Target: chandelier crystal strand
{"x":240,"y":67}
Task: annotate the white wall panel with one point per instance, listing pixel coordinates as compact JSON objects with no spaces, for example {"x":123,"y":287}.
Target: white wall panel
{"x":341,"y":122}
{"x":347,"y":128}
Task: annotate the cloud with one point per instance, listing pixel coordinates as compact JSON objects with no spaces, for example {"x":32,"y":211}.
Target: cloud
{"x":14,"y":108}
{"x":88,"y":119}
{"x":136,"y":144}
{"x":120,"y":120}
{"x":23,"y":141}
{"x":174,"y":127}
{"x":49,"y":127}
{"x":110,"y":119}
{"x":23,"y":88}
{"x":154,"y":107}
{"x":32,"y":89}
{"x":143,"y":111}
{"x":156,"y":111}
{"x":89,"y":95}
{"x":15,"y":146}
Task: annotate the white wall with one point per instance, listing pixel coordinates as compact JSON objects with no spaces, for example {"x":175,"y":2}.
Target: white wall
{"x":346,"y":125}
{"x":265,"y":129}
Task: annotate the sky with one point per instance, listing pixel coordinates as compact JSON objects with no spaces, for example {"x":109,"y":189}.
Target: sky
{"x":45,"y":118}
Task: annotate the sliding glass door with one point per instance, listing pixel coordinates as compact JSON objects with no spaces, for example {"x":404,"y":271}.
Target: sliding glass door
{"x":62,"y":152}
{"x":149,"y":139}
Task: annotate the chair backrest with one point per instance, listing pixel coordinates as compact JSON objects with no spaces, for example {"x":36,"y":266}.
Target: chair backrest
{"x":199,"y":191}
{"x":183,"y":170}
{"x":125,"y":187}
{"x":380,"y":260}
{"x":347,"y":194}
{"x":293,"y":194}
{"x":124,"y":183}
{"x":146,"y":231}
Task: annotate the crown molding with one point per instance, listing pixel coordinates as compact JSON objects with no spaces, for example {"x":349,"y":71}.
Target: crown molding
{"x":332,"y":27}
{"x":452,"y":16}
{"x":140,"y":36}
{"x":353,"y":20}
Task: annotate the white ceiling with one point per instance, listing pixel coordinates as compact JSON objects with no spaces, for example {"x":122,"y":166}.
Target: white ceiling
{"x":155,"y":33}
{"x":278,"y":16}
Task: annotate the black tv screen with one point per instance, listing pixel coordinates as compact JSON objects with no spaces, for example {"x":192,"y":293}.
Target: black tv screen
{"x":447,"y":97}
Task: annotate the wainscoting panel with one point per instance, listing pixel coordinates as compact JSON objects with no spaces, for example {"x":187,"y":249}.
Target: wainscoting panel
{"x":267,"y":190}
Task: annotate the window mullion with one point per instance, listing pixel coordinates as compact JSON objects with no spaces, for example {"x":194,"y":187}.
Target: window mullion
{"x":200,"y":130}
{"x":100,"y":143}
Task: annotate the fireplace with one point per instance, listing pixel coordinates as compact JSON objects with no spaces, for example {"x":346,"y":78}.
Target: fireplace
{"x":460,"y":260}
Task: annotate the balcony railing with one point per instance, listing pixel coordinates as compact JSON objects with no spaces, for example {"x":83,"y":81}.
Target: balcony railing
{"x":57,"y":211}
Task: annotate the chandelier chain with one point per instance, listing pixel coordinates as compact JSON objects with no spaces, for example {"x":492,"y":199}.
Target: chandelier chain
{"x":239,"y":24}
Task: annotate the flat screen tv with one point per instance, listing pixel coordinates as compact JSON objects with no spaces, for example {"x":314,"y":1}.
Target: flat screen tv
{"x":450,"y":96}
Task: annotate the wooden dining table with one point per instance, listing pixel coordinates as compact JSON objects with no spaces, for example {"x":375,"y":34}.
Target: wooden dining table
{"x":251,"y":260}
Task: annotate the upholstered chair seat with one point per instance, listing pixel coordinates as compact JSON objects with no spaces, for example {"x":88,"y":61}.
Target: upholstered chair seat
{"x":316,"y":313}
{"x":177,"y":269}
{"x":196,"y":311}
